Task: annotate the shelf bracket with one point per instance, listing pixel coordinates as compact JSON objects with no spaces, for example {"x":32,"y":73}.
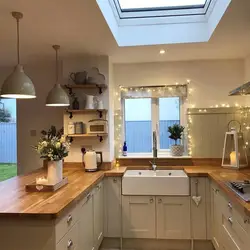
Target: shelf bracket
{"x":70,"y":114}
{"x":71,"y":139}
{"x":99,"y":88}
{"x":69,"y":89}
{"x":100,"y":113}
{"x":100,"y":138}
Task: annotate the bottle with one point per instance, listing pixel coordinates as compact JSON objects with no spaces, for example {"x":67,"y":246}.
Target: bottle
{"x":71,"y":128}
{"x":124,"y":149}
{"x":75,"y":104}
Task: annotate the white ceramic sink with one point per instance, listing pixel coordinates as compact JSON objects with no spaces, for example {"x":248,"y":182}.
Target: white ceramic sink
{"x":159,"y":182}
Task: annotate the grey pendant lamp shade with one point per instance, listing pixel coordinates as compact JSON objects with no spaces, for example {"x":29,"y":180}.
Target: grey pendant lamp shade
{"x":57,"y":96}
{"x":18,"y":85}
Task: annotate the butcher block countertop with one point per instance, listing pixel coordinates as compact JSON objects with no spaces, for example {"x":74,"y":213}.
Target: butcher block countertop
{"x":16,"y":202}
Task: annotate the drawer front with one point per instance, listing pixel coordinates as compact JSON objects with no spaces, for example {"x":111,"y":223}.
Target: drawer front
{"x":64,"y":224}
{"x":70,"y":240}
{"x":228,"y":242}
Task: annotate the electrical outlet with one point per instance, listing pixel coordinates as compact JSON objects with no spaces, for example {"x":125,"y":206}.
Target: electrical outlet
{"x":32,"y":132}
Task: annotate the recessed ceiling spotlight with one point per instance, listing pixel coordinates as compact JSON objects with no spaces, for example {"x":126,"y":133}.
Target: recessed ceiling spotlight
{"x":162,"y":51}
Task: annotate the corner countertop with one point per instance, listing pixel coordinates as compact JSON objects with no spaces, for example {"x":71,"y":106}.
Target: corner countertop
{"x":16,"y":202}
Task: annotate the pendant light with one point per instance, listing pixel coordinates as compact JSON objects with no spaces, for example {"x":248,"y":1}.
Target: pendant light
{"x":57,"y":96}
{"x":18,"y":85}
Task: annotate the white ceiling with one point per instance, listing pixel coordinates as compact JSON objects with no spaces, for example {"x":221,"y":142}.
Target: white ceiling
{"x":79,"y":27}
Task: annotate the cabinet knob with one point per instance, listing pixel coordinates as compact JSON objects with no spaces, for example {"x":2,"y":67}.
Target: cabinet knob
{"x":230,"y":205}
{"x":217,"y":191}
{"x":98,"y":187}
{"x":70,"y":244}
{"x":114,"y":180}
{"x":151,"y":200}
{"x":230,"y":220}
{"x":69,"y":219}
{"x":246,"y":221}
{"x":159,"y":200}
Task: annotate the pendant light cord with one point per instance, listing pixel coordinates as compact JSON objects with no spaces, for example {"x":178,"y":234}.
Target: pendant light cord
{"x":56,"y":65}
{"x":18,"y":43}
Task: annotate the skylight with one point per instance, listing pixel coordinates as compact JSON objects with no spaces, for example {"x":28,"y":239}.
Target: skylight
{"x":131,"y":5}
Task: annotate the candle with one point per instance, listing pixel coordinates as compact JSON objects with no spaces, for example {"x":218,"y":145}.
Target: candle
{"x":41,"y":181}
{"x":233,"y":160}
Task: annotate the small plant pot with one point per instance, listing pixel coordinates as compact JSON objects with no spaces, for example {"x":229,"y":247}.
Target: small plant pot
{"x":177,"y":150}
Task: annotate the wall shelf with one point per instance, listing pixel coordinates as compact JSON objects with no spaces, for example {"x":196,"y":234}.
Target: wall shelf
{"x":86,"y":111}
{"x":100,"y":136}
{"x":100,"y":87}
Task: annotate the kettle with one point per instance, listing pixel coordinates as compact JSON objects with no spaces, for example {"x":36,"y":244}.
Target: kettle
{"x":90,"y":161}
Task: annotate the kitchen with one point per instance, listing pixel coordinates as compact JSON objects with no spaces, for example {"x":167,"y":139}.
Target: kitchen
{"x":154,"y":192}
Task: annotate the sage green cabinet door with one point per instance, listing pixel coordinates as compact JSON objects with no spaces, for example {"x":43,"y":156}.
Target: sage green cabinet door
{"x":139,"y":217}
{"x":98,"y":214}
{"x":173,"y":217}
{"x":86,"y":230}
{"x":112,"y":209}
{"x":216,"y":215}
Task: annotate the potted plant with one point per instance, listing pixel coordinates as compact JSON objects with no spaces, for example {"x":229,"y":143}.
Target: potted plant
{"x":53,"y":147}
{"x":175,"y":132}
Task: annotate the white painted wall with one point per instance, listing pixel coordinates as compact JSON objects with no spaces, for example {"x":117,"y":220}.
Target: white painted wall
{"x":211,"y":80}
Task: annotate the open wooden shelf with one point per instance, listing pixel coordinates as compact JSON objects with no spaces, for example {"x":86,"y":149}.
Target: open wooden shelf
{"x":100,"y":136}
{"x":100,"y":87}
{"x":100,"y":112}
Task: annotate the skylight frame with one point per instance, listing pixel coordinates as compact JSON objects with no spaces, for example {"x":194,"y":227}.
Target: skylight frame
{"x":161,"y":12}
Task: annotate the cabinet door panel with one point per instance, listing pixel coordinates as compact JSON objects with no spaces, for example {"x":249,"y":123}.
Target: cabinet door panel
{"x":138,"y":217}
{"x":86,"y":230}
{"x":98,"y":215}
{"x":112,"y":200}
{"x":173,"y":217}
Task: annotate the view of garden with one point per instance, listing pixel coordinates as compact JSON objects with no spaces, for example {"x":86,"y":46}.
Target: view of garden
{"x":8,"y":139}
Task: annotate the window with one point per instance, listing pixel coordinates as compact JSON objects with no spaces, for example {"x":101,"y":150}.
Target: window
{"x":143,"y":116}
{"x":131,"y":5}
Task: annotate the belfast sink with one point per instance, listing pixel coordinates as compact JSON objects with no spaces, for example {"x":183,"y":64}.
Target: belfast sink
{"x":159,"y":182}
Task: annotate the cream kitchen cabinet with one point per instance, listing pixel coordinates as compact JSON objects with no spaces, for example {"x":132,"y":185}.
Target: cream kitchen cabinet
{"x":91,"y":219}
{"x":215,"y":215}
{"x":112,"y":206}
{"x":199,"y":211}
{"x":86,"y":223}
{"x":173,"y":217}
{"x":138,"y":217}
{"x":98,"y":214}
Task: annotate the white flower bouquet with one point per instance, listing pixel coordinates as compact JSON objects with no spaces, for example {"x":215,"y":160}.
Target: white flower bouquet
{"x":53,"y":145}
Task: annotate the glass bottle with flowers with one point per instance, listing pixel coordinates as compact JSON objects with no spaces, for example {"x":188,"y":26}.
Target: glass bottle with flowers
{"x":53,"y":146}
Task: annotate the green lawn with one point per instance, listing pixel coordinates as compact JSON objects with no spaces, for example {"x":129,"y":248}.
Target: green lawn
{"x":7,"y":170}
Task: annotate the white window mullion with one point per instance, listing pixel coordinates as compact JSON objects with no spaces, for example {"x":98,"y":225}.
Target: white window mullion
{"x":155,"y":119}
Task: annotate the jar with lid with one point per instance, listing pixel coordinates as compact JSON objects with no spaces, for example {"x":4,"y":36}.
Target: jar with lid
{"x":71,"y":128}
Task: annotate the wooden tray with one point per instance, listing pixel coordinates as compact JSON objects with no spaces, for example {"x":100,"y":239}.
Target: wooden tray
{"x":33,"y":187}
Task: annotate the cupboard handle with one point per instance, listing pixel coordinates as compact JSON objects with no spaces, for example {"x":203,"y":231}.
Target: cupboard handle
{"x":230,"y":205}
{"x":151,"y":200}
{"x":114,"y":180}
{"x":70,"y":244}
{"x":230,"y":220}
{"x":88,"y":196}
{"x":69,"y":219}
{"x":160,"y":201}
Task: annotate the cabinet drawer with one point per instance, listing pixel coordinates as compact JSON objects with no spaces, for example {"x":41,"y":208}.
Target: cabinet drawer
{"x":70,"y":240}
{"x":64,"y":223}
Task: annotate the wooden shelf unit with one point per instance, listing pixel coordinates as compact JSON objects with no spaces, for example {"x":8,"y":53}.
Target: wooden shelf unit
{"x":100,"y":136}
{"x":100,"y":87}
{"x":86,"y":111}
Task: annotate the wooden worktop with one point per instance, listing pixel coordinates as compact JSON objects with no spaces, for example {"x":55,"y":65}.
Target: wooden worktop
{"x":15,"y":201}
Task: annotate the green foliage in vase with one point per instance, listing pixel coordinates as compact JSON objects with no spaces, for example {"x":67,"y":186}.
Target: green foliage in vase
{"x":175,"y":131}
{"x":53,"y":145}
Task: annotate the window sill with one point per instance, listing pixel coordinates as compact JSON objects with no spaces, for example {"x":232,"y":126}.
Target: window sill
{"x":149,"y":156}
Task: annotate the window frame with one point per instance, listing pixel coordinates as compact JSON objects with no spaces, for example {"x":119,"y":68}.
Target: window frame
{"x":155,"y":118}
{"x":161,"y":12}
